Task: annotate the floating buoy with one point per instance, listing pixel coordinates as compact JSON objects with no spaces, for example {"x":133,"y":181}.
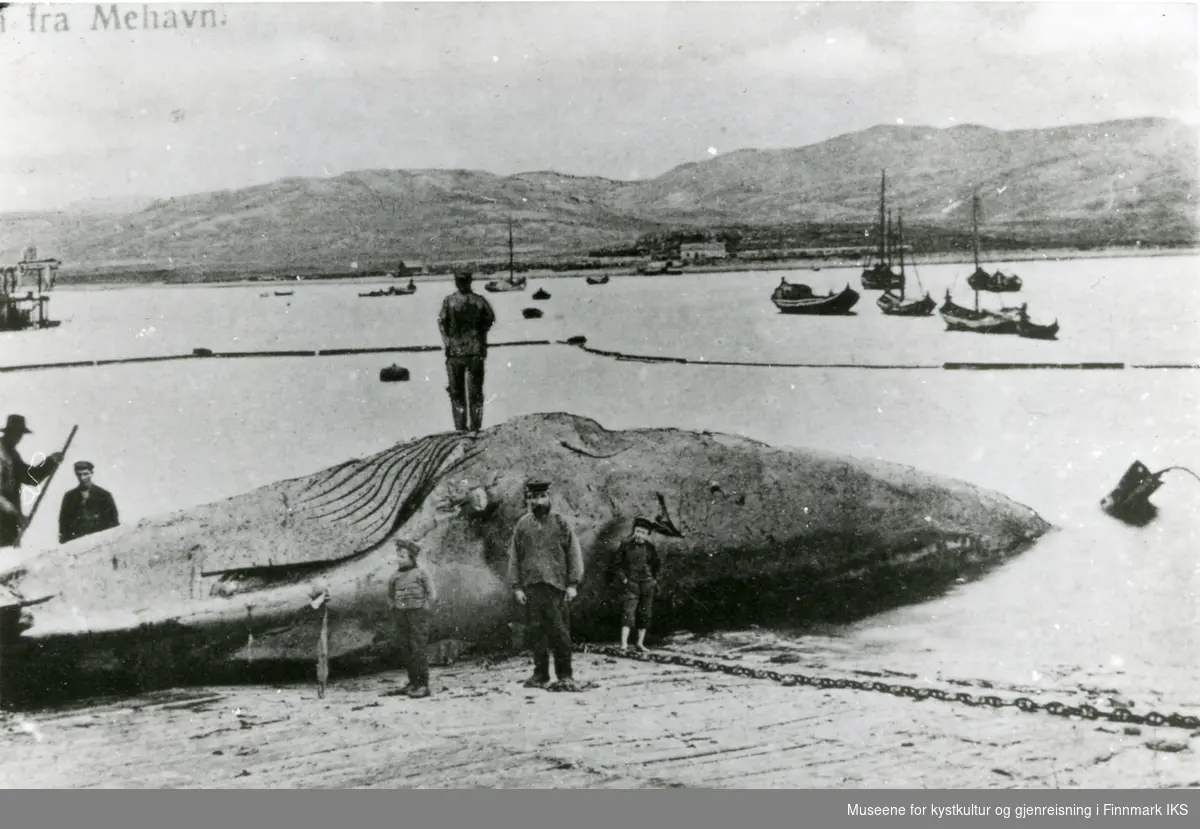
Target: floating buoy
{"x":394,"y":374}
{"x":202,"y":352}
{"x":531,"y":313}
{"x":541,"y":293}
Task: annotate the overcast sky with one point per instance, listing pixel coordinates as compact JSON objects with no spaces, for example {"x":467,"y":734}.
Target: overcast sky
{"x":623,"y":90}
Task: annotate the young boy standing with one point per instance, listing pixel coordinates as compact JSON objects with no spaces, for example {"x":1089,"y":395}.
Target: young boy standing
{"x":411,"y":593}
{"x":637,"y":567}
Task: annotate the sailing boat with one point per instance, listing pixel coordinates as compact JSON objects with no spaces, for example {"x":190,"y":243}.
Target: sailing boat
{"x":512,"y":283}
{"x":895,"y":306}
{"x":981,"y":280}
{"x":958,"y":318}
{"x":880,"y":276}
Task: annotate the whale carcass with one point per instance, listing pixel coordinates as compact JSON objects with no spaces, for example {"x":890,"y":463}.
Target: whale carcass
{"x":750,"y":534}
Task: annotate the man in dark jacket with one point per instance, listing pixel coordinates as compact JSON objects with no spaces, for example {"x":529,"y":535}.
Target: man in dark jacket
{"x":87,"y":508}
{"x":464,"y":321}
{"x":15,"y":473}
{"x":545,"y":567}
{"x":637,"y":567}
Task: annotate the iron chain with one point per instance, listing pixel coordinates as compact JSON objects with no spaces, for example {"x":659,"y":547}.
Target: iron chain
{"x":1058,"y":709}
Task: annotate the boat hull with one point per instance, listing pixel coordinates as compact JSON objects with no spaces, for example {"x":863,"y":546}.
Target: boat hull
{"x":893,"y":306}
{"x":503,"y":286}
{"x":997,"y":283}
{"x":834,"y":304}
{"x":881,"y":279}
{"x":958,"y":318}
{"x":1030,"y":331}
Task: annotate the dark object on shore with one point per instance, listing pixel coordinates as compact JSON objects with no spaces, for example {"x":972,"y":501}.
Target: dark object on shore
{"x":393,"y":374}
{"x":541,"y":293}
{"x":1130,"y":501}
{"x":531,"y":313}
{"x":202,"y":352}
{"x":798,"y":298}
{"x":578,"y":339}
{"x":597,"y":280}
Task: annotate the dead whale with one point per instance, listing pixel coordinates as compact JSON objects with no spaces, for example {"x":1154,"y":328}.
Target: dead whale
{"x":752,"y":534}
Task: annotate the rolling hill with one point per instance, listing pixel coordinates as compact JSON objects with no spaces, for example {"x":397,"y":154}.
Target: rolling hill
{"x":1119,"y":182}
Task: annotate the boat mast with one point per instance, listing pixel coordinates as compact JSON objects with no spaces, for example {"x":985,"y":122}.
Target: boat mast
{"x":975,"y":236}
{"x":900,"y":247}
{"x":882,"y":189}
{"x":890,"y":239}
{"x":510,"y":250}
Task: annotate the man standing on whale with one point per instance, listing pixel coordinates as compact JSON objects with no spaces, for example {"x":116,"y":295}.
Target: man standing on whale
{"x":545,"y":567}
{"x":464,"y":322}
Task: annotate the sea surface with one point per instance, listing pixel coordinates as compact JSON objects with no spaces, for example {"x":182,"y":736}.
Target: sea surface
{"x":1095,"y":604}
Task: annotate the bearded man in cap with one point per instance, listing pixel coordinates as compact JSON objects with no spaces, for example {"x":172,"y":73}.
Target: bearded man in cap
{"x":87,"y":508}
{"x":464,"y":322}
{"x":15,"y":473}
{"x":545,"y":567}
{"x":637,"y":567}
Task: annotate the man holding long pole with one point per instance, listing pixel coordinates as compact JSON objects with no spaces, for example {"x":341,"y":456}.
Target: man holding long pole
{"x":15,"y":473}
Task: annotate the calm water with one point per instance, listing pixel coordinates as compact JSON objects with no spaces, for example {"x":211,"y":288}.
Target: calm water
{"x":1095,"y":604}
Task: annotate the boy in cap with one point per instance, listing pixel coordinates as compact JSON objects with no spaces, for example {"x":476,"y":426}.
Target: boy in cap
{"x":464,"y":322}
{"x":15,"y":473}
{"x":545,"y":567}
{"x":637,"y":567}
{"x":411,"y":592}
{"x":87,"y":508}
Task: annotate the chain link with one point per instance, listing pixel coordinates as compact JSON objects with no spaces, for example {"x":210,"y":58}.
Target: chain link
{"x":1058,"y":709}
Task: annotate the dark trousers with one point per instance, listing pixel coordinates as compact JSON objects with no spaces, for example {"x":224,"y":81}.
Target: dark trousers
{"x":637,"y":604}
{"x":466,"y":391}
{"x":412,"y":644}
{"x":550,"y":630}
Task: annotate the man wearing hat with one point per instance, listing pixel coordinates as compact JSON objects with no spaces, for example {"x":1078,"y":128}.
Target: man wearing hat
{"x":87,"y":508}
{"x":637,"y":566}
{"x":545,"y":567}
{"x":15,"y":473}
{"x":464,"y":321}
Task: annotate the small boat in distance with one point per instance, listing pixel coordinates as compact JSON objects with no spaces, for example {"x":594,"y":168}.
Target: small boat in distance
{"x":284,"y":293}
{"x":597,"y":280}
{"x":798,"y":298}
{"x":896,"y":306}
{"x":880,"y":276}
{"x":500,"y":286}
{"x":392,"y":290}
{"x":541,"y":293}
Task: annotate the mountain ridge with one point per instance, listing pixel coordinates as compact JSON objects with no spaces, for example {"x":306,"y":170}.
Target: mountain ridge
{"x":1112,"y":182}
